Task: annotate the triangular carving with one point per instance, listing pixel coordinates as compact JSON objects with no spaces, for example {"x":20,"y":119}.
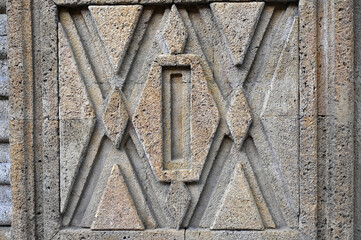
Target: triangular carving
{"x":116,"y":208}
{"x":237,"y":23}
{"x":77,"y":118}
{"x":238,"y":210}
{"x":280,"y":116}
{"x":116,"y":25}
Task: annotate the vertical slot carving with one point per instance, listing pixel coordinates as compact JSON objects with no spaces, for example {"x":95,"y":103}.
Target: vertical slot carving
{"x":176,"y":120}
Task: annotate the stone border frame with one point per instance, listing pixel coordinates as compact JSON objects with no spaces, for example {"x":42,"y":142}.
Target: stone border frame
{"x":326,"y":99}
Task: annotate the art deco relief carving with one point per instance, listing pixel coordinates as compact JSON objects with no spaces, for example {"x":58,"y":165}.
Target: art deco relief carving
{"x":179,"y":116}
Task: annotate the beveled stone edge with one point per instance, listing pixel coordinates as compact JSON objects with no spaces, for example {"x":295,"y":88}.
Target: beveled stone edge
{"x":308,"y":38}
{"x":74,"y":3}
{"x":22,"y":136}
{"x":28,"y":125}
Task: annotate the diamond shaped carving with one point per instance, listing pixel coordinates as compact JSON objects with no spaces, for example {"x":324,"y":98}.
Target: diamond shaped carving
{"x":203,"y":117}
{"x":239,"y":117}
{"x":178,"y":200}
{"x":174,"y":35}
{"x":115,"y":118}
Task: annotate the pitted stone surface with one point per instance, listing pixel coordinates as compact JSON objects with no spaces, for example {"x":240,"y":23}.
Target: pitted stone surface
{"x":76,"y":118}
{"x":239,"y":210}
{"x":147,"y":118}
{"x":116,"y":25}
{"x":239,"y":117}
{"x":224,"y":175}
{"x":4,"y":84}
{"x":237,"y":23}
{"x":116,"y":209}
{"x":4,"y":120}
{"x":174,"y":35}
{"x":74,"y":103}
{"x":178,"y":201}
{"x":115,"y":117}
{"x":4,"y":173}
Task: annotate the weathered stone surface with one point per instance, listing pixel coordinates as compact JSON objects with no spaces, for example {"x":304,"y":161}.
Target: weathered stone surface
{"x":178,"y":201}
{"x":174,"y":35}
{"x":160,"y":234}
{"x":296,"y":156}
{"x":3,"y":46}
{"x":5,"y":205}
{"x":4,"y":153}
{"x":4,"y":173}
{"x":237,"y":23}
{"x":117,"y":35}
{"x":5,"y":233}
{"x":4,"y":84}
{"x":116,"y":209}
{"x":3,"y":24}
{"x":239,"y":117}
{"x":244,"y":235}
{"x":76,"y":118}
{"x":238,"y":210}
{"x":4,"y":121}
{"x":280,"y":114}
{"x":204,"y":115}
{"x":115,"y":117}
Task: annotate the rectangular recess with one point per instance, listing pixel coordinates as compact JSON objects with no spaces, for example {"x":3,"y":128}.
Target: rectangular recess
{"x":176,"y":117}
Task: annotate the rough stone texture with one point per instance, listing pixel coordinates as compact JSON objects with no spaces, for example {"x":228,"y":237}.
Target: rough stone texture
{"x":246,"y":235}
{"x":116,"y":208}
{"x":239,"y":117}
{"x":4,"y":120}
{"x":5,"y":191}
{"x":174,"y":35}
{"x":297,"y":156}
{"x":76,"y":118}
{"x":178,"y":201}
{"x":115,"y":117}
{"x":147,"y":118}
{"x":164,"y":234}
{"x":124,"y":19}
{"x":238,"y":209}
{"x":157,"y":2}
{"x":237,"y":34}
{"x":357,"y":121}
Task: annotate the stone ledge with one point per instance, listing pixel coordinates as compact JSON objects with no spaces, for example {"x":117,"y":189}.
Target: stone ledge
{"x":69,"y":3}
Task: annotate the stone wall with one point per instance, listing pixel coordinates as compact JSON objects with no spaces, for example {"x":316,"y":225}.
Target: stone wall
{"x":5,"y":216}
{"x":5,"y":191}
{"x":184,"y":119}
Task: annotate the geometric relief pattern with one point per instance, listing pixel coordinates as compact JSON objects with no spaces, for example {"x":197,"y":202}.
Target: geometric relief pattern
{"x":182,"y":116}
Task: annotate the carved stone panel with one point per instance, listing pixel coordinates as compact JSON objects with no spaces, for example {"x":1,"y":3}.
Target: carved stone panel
{"x":182,"y":119}
{"x":180,"y":116}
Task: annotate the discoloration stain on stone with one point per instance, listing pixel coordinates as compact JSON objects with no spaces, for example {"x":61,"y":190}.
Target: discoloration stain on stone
{"x":239,"y":117}
{"x":178,"y":201}
{"x":237,"y":23}
{"x":147,"y":118}
{"x":239,"y":210}
{"x":116,"y":209}
{"x":174,"y":35}
{"x":116,"y":25}
{"x":115,"y":118}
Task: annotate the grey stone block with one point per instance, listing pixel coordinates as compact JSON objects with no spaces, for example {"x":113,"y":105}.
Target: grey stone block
{"x":3,"y":46}
{"x":4,"y":153}
{"x":3,"y":24}
{"x":4,"y":173}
